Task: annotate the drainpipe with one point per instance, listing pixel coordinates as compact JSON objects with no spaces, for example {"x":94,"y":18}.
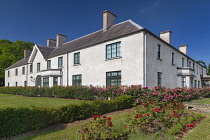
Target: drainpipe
{"x":67,"y":68}
{"x":145,"y":58}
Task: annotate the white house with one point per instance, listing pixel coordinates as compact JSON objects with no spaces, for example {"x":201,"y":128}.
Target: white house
{"x":119,"y":54}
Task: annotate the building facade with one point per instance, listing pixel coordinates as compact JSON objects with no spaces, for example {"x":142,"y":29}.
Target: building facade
{"x":119,"y":54}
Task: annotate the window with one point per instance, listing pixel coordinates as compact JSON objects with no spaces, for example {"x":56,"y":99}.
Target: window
{"x":113,"y":50}
{"x":16,"y":84}
{"x":158,"y":51}
{"x":8,"y":73}
{"x":55,"y":81}
{"x":191,"y":82}
{"x":48,"y":64}
{"x":77,"y":58}
{"x":23,"y":70}
{"x":195,"y":84}
{"x":38,"y":67}
{"x":25,"y":83}
{"x":60,"y":62}
{"x":77,"y":79}
{"x":182,"y":62}
{"x":183,"y":81}
{"x":198,"y":84}
{"x":159,"y":78}
{"x":113,"y":78}
{"x":172,"y":58}
{"x":46,"y":82}
{"x":16,"y":72}
{"x":31,"y":68}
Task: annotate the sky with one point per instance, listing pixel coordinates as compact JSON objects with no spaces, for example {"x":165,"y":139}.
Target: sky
{"x":37,"y":20}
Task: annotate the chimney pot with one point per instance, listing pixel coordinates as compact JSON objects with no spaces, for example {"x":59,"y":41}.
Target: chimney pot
{"x":51,"y":42}
{"x":183,"y":49}
{"x":60,"y":39}
{"x":166,"y":36}
{"x":108,"y":19}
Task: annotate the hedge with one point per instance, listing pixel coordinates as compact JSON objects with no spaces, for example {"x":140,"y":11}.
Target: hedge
{"x":19,"y":120}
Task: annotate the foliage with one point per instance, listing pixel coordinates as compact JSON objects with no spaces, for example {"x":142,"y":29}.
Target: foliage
{"x":18,"y":120}
{"x":11,"y":52}
{"x":99,"y":128}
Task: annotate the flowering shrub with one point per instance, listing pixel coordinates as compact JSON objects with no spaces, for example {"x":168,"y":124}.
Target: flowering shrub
{"x":152,"y":116}
{"x":99,"y":128}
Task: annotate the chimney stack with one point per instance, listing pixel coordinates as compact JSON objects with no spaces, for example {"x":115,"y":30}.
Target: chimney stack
{"x":27,"y":53}
{"x":60,"y":39}
{"x":183,"y":49}
{"x":51,"y":42}
{"x":108,"y":19}
{"x":166,"y":36}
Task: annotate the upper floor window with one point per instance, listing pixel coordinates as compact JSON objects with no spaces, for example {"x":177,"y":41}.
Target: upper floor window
{"x":38,"y":67}
{"x":16,"y":72}
{"x":158,"y":51}
{"x":159,"y":78}
{"x":60,"y":62}
{"x":113,"y":50}
{"x":77,"y":79}
{"x":172,"y":58}
{"x":182,"y":62}
{"x":48,"y":64}
{"x":77,"y":58}
{"x":8,"y":73}
{"x":31,"y":68}
{"x":23,"y":70}
{"x":113,"y":78}
{"x":189,"y":64}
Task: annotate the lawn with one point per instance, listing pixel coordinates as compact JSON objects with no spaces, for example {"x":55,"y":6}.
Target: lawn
{"x":202,"y":101}
{"x":14,"y":101}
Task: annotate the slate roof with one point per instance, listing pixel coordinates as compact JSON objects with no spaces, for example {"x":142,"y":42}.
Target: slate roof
{"x":45,"y":50}
{"x":19,"y":63}
{"x":113,"y":32}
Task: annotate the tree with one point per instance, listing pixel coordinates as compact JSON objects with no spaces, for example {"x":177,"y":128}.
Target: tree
{"x":11,"y":52}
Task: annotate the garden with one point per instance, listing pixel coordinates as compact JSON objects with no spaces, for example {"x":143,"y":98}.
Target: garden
{"x":158,"y":112}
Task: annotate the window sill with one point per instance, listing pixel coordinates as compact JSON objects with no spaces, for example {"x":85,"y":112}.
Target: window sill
{"x":76,"y":64}
{"x":159,"y":59}
{"x":113,"y":58}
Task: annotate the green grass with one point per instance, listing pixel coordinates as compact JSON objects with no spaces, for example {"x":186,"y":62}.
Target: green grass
{"x":202,"y":101}
{"x":200,"y":132}
{"x":14,"y":101}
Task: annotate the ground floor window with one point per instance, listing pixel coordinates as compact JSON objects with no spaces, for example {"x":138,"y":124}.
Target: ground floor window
{"x":46,"y":82}
{"x":191,"y":82}
{"x":183,"y":81}
{"x":159,"y":78}
{"x":25,"y":83}
{"x":77,"y":79}
{"x":113,"y":78}
{"x":55,"y":81}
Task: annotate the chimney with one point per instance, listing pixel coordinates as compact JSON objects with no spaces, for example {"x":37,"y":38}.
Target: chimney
{"x":27,"y":53}
{"x":166,"y":36}
{"x":183,"y":49}
{"x":51,"y":42}
{"x":60,"y":39}
{"x":108,"y":19}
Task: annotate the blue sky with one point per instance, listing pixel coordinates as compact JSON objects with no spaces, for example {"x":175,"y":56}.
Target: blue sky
{"x":36,"y":20}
